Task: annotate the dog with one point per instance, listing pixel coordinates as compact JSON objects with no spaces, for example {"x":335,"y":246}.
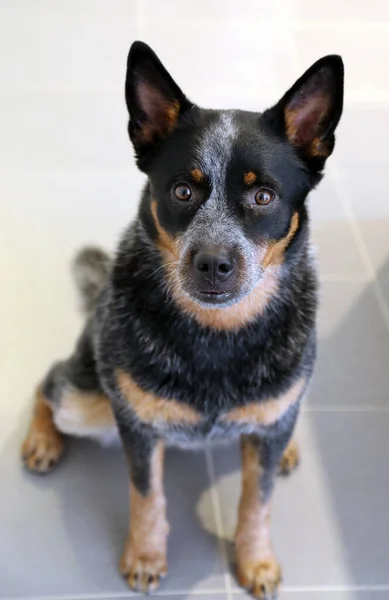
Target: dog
{"x":202,"y":327}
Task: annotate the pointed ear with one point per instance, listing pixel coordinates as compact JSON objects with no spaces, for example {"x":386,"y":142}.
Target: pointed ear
{"x":312,"y":108}
{"x":154,"y":100}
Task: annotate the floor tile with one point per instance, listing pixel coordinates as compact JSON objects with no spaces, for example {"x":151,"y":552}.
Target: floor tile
{"x":176,"y":596}
{"x":336,"y":12}
{"x":250,"y":76}
{"x":217,"y":12}
{"x":375,"y":237}
{"x":324,"y":201}
{"x":75,"y":131}
{"x":365,"y":193}
{"x":365,"y":63}
{"x":361,"y":141}
{"x":69,"y":9}
{"x":85,"y":50}
{"x":39,"y":303}
{"x":307,"y":594}
{"x":327,"y":237}
{"x":353,"y":349}
{"x":67,"y":529}
{"x":329,"y":523}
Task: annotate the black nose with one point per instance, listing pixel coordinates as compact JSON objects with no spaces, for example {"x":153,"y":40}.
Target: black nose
{"x":214,"y":266}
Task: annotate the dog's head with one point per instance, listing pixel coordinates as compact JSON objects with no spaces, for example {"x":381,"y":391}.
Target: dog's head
{"x":227,"y":188}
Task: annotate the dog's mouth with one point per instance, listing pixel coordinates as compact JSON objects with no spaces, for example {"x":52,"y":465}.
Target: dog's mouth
{"x":214,"y":296}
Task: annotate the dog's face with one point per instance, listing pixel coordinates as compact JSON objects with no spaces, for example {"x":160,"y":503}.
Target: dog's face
{"x":228,"y":187}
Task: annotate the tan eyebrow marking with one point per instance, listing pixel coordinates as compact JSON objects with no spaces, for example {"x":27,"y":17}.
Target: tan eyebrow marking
{"x":198,"y":175}
{"x":249,"y":178}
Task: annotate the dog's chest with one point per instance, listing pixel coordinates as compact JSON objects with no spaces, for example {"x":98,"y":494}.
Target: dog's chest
{"x":181,"y":424}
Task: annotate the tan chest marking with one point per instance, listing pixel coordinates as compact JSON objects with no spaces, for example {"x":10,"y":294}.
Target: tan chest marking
{"x":151,"y":408}
{"x":268,"y":412}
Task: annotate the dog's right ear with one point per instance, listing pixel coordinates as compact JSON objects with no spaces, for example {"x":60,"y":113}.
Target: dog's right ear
{"x":154,"y":101}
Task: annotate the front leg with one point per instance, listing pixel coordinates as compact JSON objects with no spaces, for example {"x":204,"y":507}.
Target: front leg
{"x":257,"y":568}
{"x":143,"y":562}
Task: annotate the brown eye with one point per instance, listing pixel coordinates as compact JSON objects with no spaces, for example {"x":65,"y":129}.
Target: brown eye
{"x":182,"y":192}
{"x":264,"y":196}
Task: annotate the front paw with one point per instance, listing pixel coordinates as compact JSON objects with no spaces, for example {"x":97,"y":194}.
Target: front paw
{"x":290,"y":460}
{"x":143,"y":570}
{"x":42,"y":449}
{"x":262,"y":578}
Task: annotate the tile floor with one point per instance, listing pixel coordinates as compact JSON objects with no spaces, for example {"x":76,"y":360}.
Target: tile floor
{"x":67,"y":178}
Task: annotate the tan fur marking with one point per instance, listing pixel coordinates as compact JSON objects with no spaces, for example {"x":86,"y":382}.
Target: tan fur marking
{"x":166,"y":243}
{"x":144,"y":558}
{"x":172,"y":112}
{"x":319,"y":148}
{"x":150,"y":131}
{"x":226,"y":318}
{"x":257,"y":569}
{"x":290,"y":459}
{"x":43,"y":446}
{"x":249,"y":178}
{"x":198,"y":176}
{"x":150,"y":408}
{"x":237,"y":315}
{"x":315,"y":146}
{"x":275,"y":253}
{"x":268,"y":412}
{"x":82,"y":414}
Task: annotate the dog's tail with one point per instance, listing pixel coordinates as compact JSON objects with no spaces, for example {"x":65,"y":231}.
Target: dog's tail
{"x":91,"y":267}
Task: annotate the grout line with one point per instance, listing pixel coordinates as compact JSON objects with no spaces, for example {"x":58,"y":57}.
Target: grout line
{"x":215,"y":498}
{"x":120,"y":595}
{"x":345,"y":278}
{"x":209,"y":592}
{"x":345,"y":408}
{"x":336,"y":588}
{"x":361,"y":244}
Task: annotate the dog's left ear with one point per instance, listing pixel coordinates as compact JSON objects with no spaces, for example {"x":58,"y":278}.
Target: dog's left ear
{"x":311,"y":109}
{"x":154,"y":100}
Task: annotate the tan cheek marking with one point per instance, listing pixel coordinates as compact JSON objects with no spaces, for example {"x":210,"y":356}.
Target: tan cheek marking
{"x":249,"y":178}
{"x":150,"y":408}
{"x":275,"y":251}
{"x":257,"y":569}
{"x":198,"y":176}
{"x":166,"y":243}
{"x":144,"y":557}
{"x":269,"y":412}
{"x":227,"y":319}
